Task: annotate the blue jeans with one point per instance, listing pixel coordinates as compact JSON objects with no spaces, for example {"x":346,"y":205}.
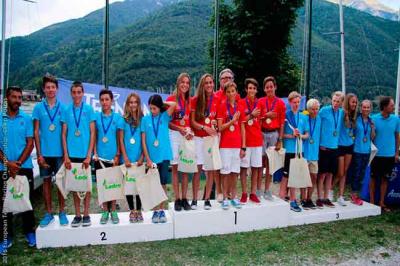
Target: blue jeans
{"x":358,"y":166}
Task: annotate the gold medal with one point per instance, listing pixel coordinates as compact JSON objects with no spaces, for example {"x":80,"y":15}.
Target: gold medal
{"x":52,"y":127}
{"x":232,"y":128}
{"x":156,"y":143}
{"x":132,"y":141}
{"x":105,"y":139}
{"x":268,"y":120}
{"x":207,"y":120}
{"x":77,"y":133}
{"x":311,"y":141}
{"x":250,"y":122}
{"x":182,"y":122}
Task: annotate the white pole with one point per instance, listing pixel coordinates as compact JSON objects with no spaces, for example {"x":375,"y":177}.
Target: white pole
{"x":342,"y":46}
{"x":398,"y":86}
{"x":3,"y":48}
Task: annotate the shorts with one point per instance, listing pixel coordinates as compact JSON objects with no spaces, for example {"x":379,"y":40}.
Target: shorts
{"x":344,"y":150}
{"x":382,"y":166}
{"x":230,"y":158}
{"x":175,"y":138}
{"x":97,"y":165}
{"x":270,"y":139}
{"x":198,"y":141}
{"x":313,"y":167}
{"x":328,"y":162}
{"x":286,"y":166}
{"x":253,"y":157}
{"x":54,"y":163}
{"x":76,"y":160}
{"x":163,"y":170}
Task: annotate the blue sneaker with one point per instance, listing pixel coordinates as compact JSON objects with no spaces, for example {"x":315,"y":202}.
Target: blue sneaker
{"x":5,"y":245}
{"x":47,"y":219}
{"x":62,"y":216}
{"x":31,"y":238}
{"x":155,"y":219}
{"x":294,"y":207}
{"x":161,"y":217}
{"x":225,"y":204}
{"x":236,"y":203}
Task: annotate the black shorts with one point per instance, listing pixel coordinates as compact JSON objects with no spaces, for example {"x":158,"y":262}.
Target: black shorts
{"x":163,"y":170}
{"x":382,"y":166}
{"x":97,"y":165}
{"x":54,"y":164}
{"x":286,"y":167}
{"x":344,"y":150}
{"x":328,"y":162}
{"x":77,"y":160}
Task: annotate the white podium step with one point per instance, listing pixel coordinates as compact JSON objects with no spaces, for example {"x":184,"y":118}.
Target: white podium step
{"x":200,"y":222}
{"x":350,"y":211}
{"x":55,"y":235}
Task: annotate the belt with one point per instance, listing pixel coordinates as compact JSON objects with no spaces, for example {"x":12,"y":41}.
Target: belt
{"x":269,"y":130}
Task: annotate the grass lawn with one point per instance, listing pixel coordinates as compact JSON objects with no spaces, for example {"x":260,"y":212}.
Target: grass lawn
{"x":319,"y":243}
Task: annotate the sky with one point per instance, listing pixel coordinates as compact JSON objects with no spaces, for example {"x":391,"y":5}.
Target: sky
{"x":26,"y":17}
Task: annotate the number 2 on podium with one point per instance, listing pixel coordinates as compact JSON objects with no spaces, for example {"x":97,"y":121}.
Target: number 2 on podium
{"x":103,"y":236}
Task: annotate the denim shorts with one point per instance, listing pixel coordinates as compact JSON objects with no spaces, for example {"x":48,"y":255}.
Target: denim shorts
{"x":54,"y":163}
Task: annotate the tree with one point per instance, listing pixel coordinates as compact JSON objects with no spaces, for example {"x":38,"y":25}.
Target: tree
{"x":253,"y":41}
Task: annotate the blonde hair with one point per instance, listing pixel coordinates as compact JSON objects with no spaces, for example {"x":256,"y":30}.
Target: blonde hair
{"x":178,"y":81}
{"x":352,"y":114}
{"x":338,"y":94}
{"x":293,"y":95}
{"x":128,"y":115}
{"x":311,"y":103}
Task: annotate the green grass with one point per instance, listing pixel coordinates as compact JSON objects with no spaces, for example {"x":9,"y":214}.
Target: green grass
{"x":319,"y":243}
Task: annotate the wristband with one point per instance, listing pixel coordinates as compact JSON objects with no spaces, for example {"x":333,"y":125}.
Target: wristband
{"x":243,"y":149}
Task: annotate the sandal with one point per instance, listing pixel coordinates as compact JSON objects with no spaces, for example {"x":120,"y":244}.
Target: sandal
{"x":132,"y":217}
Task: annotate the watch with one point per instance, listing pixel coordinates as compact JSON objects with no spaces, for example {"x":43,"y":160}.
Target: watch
{"x":243,"y":149}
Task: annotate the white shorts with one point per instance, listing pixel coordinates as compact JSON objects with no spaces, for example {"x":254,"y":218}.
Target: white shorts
{"x":198,"y":141}
{"x":230,"y":158}
{"x":253,"y":157}
{"x":175,"y":138}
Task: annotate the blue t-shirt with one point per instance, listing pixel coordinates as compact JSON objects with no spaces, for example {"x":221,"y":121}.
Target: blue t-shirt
{"x":49,"y":131}
{"x":106,"y":143}
{"x":385,"y":129}
{"x":298,"y":121}
{"x":17,"y":129}
{"x":311,"y":145}
{"x":330,"y":125}
{"x":346,"y":135}
{"x":133,"y":150}
{"x":78,"y":146}
{"x":362,"y":132}
{"x":163,"y":151}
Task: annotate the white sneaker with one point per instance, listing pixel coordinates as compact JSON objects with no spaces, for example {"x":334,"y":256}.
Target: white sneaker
{"x":268,"y":195}
{"x":220,"y":198}
{"x":341,"y":201}
{"x":330,"y":195}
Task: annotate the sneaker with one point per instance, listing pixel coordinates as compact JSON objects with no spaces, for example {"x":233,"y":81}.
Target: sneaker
{"x":185,"y":205}
{"x":311,"y":204}
{"x":155,"y":219}
{"x":236,"y":203}
{"x":294,"y":207}
{"x":62,"y":216}
{"x":330,"y":195}
{"x":47,"y":219}
{"x":259,"y":193}
{"x":193,"y":206}
{"x":207,"y":205}
{"x":328,"y":203}
{"x":341,"y":201}
{"x":220,"y":198}
{"x":178,"y":205}
{"x":225,"y":204}
{"x":304,"y":205}
{"x":161,"y":217}
{"x":139,"y":216}
{"x":356,"y":200}
{"x":104,"y":217}
{"x":5,"y":245}
{"x":76,"y":222}
{"x":31,"y":239}
{"x":86,"y":221}
{"x":253,"y":198}
{"x":243,"y":199}
{"x":320,"y":203}
{"x":268,"y":195}
{"x":133,"y":216}
{"x":114,"y":217}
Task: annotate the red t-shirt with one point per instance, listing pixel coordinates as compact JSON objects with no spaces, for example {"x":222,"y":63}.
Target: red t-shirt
{"x":212,"y":117}
{"x":220,"y":94}
{"x":254,"y":137}
{"x":177,"y":116}
{"x":230,"y":139}
{"x":276,"y":105}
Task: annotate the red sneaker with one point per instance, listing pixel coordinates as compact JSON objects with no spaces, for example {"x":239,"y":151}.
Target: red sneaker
{"x":243,"y":199}
{"x":320,"y":203}
{"x":356,"y":200}
{"x":253,"y":198}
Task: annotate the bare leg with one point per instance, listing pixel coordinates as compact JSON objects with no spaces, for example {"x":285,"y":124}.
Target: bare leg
{"x":254,"y":178}
{"x":384,"y":185}
{"x":209,"y":183}
{"x":77,"y":204}
{"x":292,"y":192}
{"x":233,"y":178}
{"x":372,"y":190}
{"x":61,"y":201}
{"x":47,"y":194}
{"x":185,"y":183}
{"x":320,"y":189}
{"x":310,"y":190}
{"x":243,"y":179}
{"x":342,"y":185}
{"x":328,"y":184}
{"x":86,"y":204}
{"x":196,"y":182}
{"x":283,"y":188}
{"x":175,"y":181}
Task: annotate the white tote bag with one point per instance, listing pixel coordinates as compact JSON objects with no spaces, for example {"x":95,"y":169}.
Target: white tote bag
{"x":212,"y":158}
{"x":130,"y":178}
{"x":150,"y":190}
{"x":60,"y":181}
{"x":276,"y":159}
{"x":109,"y":183}
{"x":374,"y":151}
{"x":187,"y":156}
{"x":17,"y":195}
{"x":299,"y":174}
{"x":78,"y":179}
